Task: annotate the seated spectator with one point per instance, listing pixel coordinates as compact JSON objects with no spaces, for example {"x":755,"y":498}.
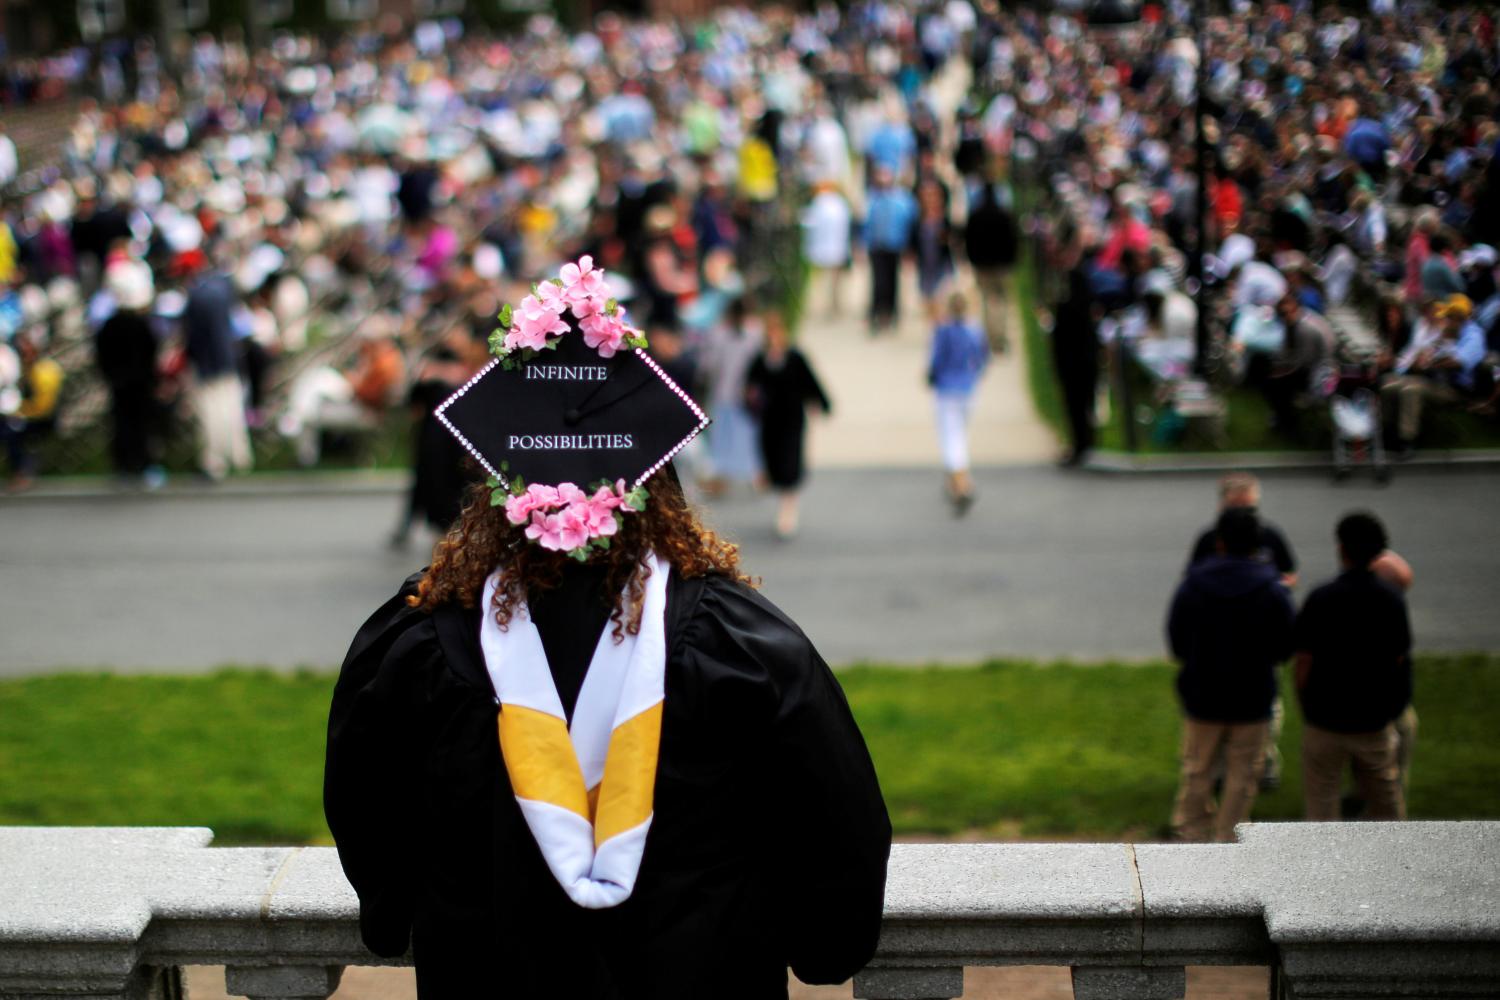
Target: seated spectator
{"x":1168,"y":338}
{"x":1439,"y":274}
{"x":1229,"y":627}
{"x":1257,"y":283}
{"x":1439,"y":365}
{"x":1286,"y":372}
{"x":1353,"y":674}
{"x":328,"y":399}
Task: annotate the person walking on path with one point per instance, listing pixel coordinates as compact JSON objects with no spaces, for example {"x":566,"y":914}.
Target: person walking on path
{"x":1229,"y":626}
{"x":1075,"y":358}
{"x":990,"y":243}
{"x":890,"y":213}
{"x":218,"y":395}
{"x":125,"y":349}
{"x":779,"y":388}
{"x":826,"y":223}
{"x":932,"y":245}
{"x":1353,"y":671}
{"x":959,"y":357}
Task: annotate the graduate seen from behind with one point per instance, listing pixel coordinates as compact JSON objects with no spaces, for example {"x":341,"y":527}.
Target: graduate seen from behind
{"x":579,"y":755}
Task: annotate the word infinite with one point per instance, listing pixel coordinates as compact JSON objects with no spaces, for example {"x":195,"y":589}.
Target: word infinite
{"x":567,"y":373}
{"x":570,"y":442}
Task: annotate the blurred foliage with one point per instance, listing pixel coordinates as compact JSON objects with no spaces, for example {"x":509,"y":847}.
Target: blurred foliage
{"x":1008,"y":749}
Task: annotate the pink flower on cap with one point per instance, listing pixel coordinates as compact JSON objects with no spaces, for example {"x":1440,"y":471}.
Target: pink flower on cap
{"x":599,"y":512}
{"x":603,"y":333}
{"x":533,"y":322}
{"x":568,"y":494}
{"x":572,"y":528}
{"x":518,"y":509}
{"x":582,"y":280}
{"x":552,"y":297}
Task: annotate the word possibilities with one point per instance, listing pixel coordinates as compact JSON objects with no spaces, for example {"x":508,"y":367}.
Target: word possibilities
{"x":567,"y":373}
{"x":570,"y":442}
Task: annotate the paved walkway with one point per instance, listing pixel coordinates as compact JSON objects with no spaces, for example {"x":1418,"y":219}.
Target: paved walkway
{"x":882,"y":407}
{"x":1047,"y":564}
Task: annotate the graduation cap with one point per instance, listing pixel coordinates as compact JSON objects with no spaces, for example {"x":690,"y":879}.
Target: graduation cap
{"x":568,"y":415}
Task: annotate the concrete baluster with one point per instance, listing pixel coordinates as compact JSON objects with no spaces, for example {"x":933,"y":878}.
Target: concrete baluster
{"x":909,"y":984}
{"x":1129,"y":983}
{"x":282,"y":982}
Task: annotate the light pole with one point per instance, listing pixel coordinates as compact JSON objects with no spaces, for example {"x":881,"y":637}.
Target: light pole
{"x":1201,"y":150}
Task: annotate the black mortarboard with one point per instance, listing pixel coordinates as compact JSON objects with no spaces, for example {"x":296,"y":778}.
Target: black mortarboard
{"x":570,"y":416}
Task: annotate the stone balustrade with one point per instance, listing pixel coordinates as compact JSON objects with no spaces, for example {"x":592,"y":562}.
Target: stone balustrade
{"x":1335,"y":910}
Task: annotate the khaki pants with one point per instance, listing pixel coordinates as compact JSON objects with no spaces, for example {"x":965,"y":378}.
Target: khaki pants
{"x":1373,"y":758}
{"x":1194,"y":816}
{"x":1411,"y":393}
{"x":1406,"y":740}
{"x":225,"y":442}
{"x":993,"y":284}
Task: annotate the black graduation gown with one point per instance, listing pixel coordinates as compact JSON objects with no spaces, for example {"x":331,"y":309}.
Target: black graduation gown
{"x":780,"y":397}
{"x":768,"y":848}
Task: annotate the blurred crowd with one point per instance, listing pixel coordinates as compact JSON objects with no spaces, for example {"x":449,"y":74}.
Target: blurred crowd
{"x":1351,"y":195}
{"x":282,"y":243}
{"x":268,"y":247}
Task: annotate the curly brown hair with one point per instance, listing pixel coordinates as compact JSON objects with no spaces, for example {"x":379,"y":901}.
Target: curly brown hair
{"x":483,"y":540}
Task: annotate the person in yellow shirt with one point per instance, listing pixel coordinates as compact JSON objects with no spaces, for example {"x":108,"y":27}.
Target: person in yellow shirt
{"x":8,"y":251}
{"x":28,"y":406}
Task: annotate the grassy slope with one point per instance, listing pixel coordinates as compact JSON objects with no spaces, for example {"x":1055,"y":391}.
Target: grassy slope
{"x":1009,"y":749}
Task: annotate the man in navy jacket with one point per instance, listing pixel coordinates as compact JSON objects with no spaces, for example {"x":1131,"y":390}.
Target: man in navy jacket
{"x":1229,"y":626}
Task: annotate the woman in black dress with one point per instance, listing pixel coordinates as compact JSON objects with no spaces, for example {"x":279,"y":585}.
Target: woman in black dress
{"x":778,"y":389}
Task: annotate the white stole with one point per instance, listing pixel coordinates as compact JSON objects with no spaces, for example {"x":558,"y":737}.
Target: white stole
{"x":586,"y":790}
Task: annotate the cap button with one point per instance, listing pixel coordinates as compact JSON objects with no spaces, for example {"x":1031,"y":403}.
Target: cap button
{"x":571,"y":417}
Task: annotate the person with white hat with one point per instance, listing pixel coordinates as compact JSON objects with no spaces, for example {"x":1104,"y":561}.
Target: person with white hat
{"x":125,"y":349}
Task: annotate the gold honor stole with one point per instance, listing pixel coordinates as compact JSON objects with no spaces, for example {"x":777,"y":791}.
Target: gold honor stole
{"x":586,"y":790}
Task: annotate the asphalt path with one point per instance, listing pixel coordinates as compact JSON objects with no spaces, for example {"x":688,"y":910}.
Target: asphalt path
{"x":1047,"y":564}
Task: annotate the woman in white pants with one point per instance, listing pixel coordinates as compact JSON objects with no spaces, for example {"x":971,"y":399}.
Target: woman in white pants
{"x":959,"y":356}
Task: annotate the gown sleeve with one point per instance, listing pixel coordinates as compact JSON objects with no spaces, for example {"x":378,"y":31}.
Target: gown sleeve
{"x":831,"y":835}
{"x":813,"y":389}
{"x":370,"y":774}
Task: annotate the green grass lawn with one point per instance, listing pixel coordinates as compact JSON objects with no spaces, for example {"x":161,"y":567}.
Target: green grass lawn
{"x":1005,"y":750}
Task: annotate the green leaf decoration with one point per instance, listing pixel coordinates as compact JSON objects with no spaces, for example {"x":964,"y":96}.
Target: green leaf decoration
{"x":498,"y":497}
{"x":610,"y":305}
{"x":581,"y":554}
{"x":493,"y":482}
{"x":636,"y":499}
{"x":517,"y":486}
{"x":504,"y":466}
{"x":602,"y":542}
{"x":506,"y":315}
{"x":497,"y":343}
{"x":558,"y":282}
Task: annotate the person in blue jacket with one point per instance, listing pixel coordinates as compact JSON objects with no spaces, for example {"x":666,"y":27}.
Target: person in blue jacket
{"x":959,"y":356}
